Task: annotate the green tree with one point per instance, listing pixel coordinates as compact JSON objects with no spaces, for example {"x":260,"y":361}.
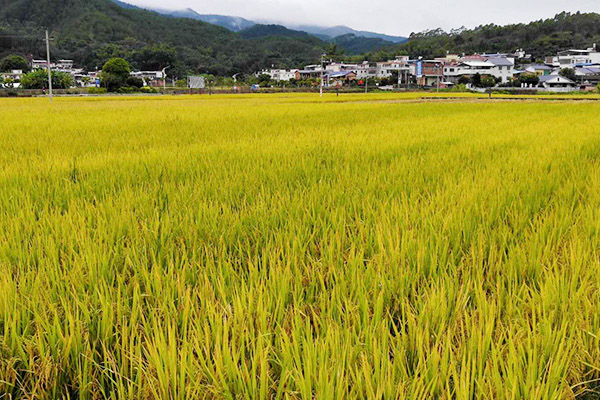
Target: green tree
{"x":8,"y":83}
{"x":39,"y":80}
{"x":529,"y":79}
{"x":134,"y":81}
{"x":476,"y":80}
{"x":488,"y":81}
{"x":264,"y":80}
{"x":568,"y":73}
{"x":155,"y":58}
{"x":114,"y":74}
{"x":463,"y":80}
{"x":333,"y":50}
{"x":14,"y":62}
{"x":390,"y":80}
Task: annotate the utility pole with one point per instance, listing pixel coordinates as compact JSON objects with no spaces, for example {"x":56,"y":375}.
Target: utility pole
{"x":48,"y":65}
{"x":438,"y":77}
{"x":322,"y":68}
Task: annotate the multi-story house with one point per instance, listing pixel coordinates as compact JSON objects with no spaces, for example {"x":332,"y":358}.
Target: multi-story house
{"x":385,"y":69}
{"x":500,"y":67}
{"x":280,"y":75}
{"x":573,"y":57}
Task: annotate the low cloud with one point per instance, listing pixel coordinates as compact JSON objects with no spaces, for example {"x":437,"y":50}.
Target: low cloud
{"x":384,"y":16}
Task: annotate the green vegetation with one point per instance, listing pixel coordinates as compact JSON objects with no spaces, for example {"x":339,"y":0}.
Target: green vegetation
{"x":568,"y":73}
{"x":540,"y":38}
{"x":283,"y":46}
{"x":116,"y":77}
{"x":261,"y":31}
{"x":529,"y":79}
{"x":38,"y":79}
{"x":355,"y":45}
{"x":344,"y":44}
{"x":265,"y":247}
{"x":115,"y":74}
{"x":93,"y":31}
{"x":14,"y":62}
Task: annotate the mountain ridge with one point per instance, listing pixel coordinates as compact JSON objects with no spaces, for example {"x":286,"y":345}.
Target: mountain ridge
{"x":341,"y":30}
{"x":237,"y":24}
{"x":92,"y":31}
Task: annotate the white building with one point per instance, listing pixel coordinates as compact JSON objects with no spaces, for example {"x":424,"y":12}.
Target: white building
{"x":309,"y":71}
{"x":64,"y":65}
{"x":362,"y":71}
{"x":339,"y":67}
{"x":366,"y":70}
{"x":385,"y":69}
{"x":40,"y":64}
{"x":501,"y":68}
{"x":60,"y":65}
{"x":284,"y":75}
{"x":504,"y":68}
{"x":571,"y":58}
{"x":11,"y":79}
{"x":557,"y":83}
{"x":313,"y":67}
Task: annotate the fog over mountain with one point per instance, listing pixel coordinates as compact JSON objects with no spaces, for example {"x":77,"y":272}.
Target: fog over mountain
{"x":391,"y":17}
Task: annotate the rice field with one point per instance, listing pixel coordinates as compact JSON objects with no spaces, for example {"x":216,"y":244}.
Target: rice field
{"x":293,"y":247}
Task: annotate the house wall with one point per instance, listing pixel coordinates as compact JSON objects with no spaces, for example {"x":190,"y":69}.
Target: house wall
{"x":504,"y":73}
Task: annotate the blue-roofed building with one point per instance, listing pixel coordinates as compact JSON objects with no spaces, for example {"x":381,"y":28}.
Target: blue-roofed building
{"x":589,"y":74}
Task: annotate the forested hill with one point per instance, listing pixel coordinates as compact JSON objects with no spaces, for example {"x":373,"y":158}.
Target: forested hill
{"x":262,"y":30}
{"x":91,"y":31}
{"x":539,"y":38}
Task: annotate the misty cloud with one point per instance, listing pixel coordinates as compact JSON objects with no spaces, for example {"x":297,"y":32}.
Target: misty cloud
{"x":384,"y":16}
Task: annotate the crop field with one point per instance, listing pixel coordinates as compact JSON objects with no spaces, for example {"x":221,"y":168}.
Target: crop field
{"x":293,"y":247}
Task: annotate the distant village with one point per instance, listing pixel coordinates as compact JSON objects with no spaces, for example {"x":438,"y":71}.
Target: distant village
{"x":569,"y":70}
{"x":81,"y":78}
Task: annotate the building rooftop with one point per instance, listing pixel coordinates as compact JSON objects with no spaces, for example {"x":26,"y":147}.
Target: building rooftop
{"x":501,"y":61}
{"x":550,"y":78}
{"x":482,"y":64}
{"x":588,"y":71}
{"x":339,"y":74}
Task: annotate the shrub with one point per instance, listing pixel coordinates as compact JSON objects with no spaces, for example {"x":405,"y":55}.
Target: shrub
{"x":96,"y":90}
{"x":459,"y":88}
{"x":148,"y":89}
{"x":127,"y":89}
{"x":134,"y":81}
{"x":39,"y":80}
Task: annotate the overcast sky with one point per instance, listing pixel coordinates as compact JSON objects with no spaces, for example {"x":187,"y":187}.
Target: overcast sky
{"x":395,"y":17}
